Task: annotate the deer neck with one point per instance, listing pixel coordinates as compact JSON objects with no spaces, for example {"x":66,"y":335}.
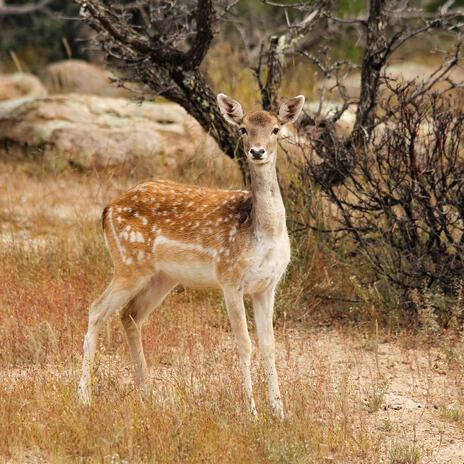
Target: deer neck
{"x":268,"y":212}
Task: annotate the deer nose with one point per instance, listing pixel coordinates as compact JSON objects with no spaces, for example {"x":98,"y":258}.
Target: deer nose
{"x":257,"y":153}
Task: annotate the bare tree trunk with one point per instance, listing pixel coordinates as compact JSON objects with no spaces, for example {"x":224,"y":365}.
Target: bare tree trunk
{"x":375,"y":54}
{"x":195,"y":94}
{"x":270,"y":90}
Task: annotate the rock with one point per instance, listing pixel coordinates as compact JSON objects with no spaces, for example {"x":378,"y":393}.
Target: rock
{"x":95,"y":132}
{"x":78,"y":76}
{"x":20,"y":85}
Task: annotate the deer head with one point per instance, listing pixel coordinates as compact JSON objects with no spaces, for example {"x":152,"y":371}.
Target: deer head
{"x":260,"y":129}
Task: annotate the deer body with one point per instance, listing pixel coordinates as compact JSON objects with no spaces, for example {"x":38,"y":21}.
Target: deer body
{"x":161,"y":233}
{"x":197,"y":236}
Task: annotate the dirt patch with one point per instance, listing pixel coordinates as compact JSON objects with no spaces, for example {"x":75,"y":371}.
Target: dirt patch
{"x":401,"y":390}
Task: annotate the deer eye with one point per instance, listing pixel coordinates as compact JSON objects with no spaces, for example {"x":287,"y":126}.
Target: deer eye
{"x":275,"y":131}
{"x":242,"y":131}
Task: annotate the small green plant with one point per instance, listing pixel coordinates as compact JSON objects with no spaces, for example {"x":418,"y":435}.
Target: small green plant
{"x":386,"y":426}
{"x":375,"y":398}
{"x":452,"y":414}
{"x":404,"y":454}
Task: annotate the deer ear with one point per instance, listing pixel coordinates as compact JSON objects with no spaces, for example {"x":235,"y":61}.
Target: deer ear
{"x":291,"y":109}
{"x":230,"y":109}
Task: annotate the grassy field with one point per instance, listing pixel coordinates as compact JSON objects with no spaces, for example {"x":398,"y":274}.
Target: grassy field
{"x":353,"y":394}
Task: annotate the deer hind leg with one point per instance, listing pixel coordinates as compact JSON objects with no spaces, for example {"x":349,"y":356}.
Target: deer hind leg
{"x":117,"y":294}
{"x":237,"y":317}
{"x":133,"y":317}
{"x":263,"y":306}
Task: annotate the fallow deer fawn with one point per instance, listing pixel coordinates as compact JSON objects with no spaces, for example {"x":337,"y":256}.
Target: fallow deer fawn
{"x":161,"y":233}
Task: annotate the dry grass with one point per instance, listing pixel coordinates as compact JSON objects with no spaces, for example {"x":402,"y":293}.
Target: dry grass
{"x":351,"y":397}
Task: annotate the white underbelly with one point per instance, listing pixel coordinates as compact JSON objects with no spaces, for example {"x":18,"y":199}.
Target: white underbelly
{"x":191,"y":273}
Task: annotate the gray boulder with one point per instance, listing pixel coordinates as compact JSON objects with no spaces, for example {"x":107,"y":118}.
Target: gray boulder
{"x":98,"y":132}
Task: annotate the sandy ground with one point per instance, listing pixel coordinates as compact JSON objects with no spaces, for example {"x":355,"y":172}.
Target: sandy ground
{"x":410,"y":386}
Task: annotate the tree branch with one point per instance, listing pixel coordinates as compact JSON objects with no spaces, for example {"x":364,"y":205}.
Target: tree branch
{"x":205,"y":21}
{"x":39,"y":7}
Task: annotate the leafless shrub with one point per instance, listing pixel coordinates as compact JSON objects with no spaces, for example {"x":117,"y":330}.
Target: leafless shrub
{"x":403,"y":199}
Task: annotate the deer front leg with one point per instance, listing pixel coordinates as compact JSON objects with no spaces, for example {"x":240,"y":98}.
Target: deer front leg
{"x":263,"y":306}
{"x":237,"y":317}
